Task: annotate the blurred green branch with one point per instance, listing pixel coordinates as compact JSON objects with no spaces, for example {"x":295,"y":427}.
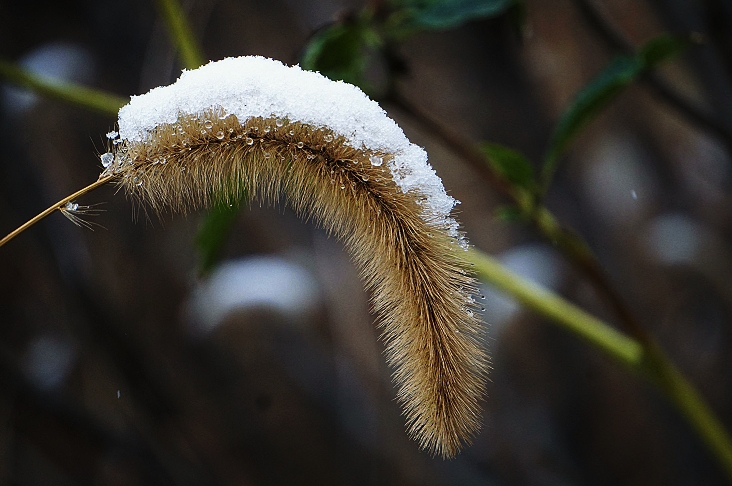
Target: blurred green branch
{"x":646,"y":359}
{"x":93,"y":99}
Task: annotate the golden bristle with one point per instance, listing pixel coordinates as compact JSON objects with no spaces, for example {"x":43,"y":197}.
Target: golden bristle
{"x":421,"y":288}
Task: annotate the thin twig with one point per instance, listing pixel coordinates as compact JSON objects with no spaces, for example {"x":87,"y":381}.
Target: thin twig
{"x":58,"y":206}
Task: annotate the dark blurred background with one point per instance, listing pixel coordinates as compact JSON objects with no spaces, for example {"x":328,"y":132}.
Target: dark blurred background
{"x":120,"y":365}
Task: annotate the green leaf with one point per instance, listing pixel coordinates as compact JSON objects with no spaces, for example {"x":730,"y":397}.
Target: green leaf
{"x":447,"y":14}
{"x":598,"y":93}
{"x":511,"y":164}
{"x":340,"y":52}
{"x":212,"y":234}
{"x":509,"y":214}
{"x":663,"y":47}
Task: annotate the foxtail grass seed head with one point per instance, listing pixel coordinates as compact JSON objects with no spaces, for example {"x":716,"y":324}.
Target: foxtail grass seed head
{"x":252,"y":125}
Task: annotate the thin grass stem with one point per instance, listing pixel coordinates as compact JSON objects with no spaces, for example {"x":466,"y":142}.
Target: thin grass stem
{"x":189,"y":50}
{"x":614,"y":343}
{"x":58,"y":206}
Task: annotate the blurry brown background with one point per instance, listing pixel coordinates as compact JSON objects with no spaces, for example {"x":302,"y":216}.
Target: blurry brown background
{"x":118,"y":365}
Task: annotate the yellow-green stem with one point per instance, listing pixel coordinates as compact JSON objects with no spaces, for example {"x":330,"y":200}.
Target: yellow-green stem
{"x":551,"y":305}
{"x":61,"y":90}
{"x":691,"y":404}
{"x":647,"y":359}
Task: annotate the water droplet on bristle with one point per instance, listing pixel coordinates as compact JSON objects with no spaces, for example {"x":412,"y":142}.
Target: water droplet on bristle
{"x":292,"y":132}
{"x":267,"y":129}
{"x":279,"y":122}
{"x":300,"y":145}
{"x":266,"y":155}
{"x":249,"y":141}
{"x":376,"y":161}
{"x":328,"y":138}
{"x":107,"y":159}
{"x":220,"y":135}
{"x":208,"y":124}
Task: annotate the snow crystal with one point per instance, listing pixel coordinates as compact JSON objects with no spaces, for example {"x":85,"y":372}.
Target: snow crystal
{"x":106,"y":159}
{"x":255,"y":86}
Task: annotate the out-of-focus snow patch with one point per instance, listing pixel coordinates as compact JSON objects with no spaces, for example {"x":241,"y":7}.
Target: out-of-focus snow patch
{"x":266,"y":282}
{"x":675,"y":239}
{"x":47,"y":362}
{"x":617,"y":185}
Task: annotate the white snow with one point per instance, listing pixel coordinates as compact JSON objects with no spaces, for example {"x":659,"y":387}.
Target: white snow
{"x":255,"y":86}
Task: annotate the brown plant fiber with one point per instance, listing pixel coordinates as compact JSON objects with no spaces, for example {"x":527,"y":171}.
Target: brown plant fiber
{"x":421,"y":288}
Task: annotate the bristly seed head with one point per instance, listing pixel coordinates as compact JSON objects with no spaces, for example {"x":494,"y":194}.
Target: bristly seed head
{"x":365,"y":183}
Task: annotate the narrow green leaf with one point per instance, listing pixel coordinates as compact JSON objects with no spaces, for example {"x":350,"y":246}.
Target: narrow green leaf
{"x":663,"y":47}
{"x":447,"y":14}
{"x":598,"y":93}
{"x":510,"y":163}
{"x":212,"y":234}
